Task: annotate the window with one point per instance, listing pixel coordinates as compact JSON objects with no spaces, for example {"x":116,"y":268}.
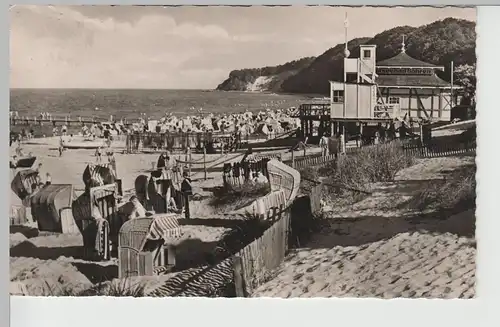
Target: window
{"x":367,"y":54}
{"x":338,"y":96}
{"x":393,"y":100}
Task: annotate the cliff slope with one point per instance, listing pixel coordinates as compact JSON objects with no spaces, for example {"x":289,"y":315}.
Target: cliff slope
{"x":263,"y":79}
{"x":438,"y":43}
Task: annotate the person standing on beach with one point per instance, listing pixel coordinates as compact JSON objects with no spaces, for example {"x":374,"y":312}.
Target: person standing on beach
{"x":38,"y":169}
{"x":187,"y":191}
{"x":98,"y":154}
{"x":12,"y":138}
{"x":162,"y":161}
{"x":112,"y":162}
{"x":61,"y":146}
{"x":19,"y":150}
{"x":323,"y":143}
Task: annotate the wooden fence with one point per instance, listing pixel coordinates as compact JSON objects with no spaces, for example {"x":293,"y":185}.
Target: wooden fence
{"x":441,"y":150}
{"x":315,"y":198}
{"x":149,"y":141}
{"x":26,"y":120}
{"x":311,"y":161}
{"x":253,"y":264}
{"x":237,"y":173}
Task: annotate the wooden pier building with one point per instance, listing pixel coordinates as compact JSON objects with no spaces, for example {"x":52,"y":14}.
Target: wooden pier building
{"x":375,"y":94}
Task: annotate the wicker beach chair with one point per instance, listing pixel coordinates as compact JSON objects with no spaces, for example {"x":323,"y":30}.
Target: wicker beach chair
{"x":143,"y":248}
{"x":22,"y":183}
{"x":51,"y":208}
{"x":101,"y":174}
{"x":99,"y":237}
{"x":159,"y":190}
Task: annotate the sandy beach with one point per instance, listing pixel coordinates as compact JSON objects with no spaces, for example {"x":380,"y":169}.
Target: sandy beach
{"x":375,"y":248}
{"x":41,"y":262}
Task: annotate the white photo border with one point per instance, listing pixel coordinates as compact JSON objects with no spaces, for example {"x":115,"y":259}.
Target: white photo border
{"x":482,"y":311}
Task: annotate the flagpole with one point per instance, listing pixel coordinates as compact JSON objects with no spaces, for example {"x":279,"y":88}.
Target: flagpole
{"x":346,"y":24}
{"x":346,"y":53}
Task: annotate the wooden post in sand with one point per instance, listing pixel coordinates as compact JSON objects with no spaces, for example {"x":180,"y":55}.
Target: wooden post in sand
{"x":189,"y":155}
{"x":239,"y":280}
{"x":205,"y":161}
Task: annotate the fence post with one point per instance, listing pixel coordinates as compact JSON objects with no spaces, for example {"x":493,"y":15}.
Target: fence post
{"x":205,"y":161}
{"x":239,"y":279}
{"x":189,"y":156}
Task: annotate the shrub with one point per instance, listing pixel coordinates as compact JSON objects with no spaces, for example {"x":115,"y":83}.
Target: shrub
{"x":455,"y":192}
{"x":239,"y":196}
{"x":307,"y":175}
{"x":361,"y":169}
{"x":370,"y":165}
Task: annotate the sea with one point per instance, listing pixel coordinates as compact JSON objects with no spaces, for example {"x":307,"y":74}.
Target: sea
{"x":130,"y":104}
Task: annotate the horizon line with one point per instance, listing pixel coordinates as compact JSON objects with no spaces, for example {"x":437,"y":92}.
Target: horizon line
{"x":105,"y":88}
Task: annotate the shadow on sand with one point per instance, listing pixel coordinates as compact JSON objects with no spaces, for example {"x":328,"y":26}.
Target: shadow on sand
{"x":193,"y":253}
{"x":29,"y":250}
{"x":210,"y":222}
{"x":97,"y":273}
{"x":368,"y":229}
{"x":28,"y":232}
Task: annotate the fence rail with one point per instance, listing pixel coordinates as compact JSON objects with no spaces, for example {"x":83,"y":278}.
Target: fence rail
{"x":238,"y":173}
{"x":311,"y":161}
{"x":54,"y":120}
{"x":442,"y":150}
{"x":137,"y":142}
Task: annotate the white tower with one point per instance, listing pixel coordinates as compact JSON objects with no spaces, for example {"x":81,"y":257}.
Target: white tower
{"x":367,"y":61}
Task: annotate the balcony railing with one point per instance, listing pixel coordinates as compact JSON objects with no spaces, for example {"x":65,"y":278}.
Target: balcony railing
{"x":314,"y":109}
{"x":387,"y":111}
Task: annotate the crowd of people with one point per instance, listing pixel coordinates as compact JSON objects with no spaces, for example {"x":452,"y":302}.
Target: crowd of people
{"x":265,"y":122}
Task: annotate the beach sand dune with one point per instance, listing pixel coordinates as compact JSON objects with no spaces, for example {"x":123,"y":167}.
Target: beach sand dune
{"x":407,"y":265}
{"x":376,"y":248}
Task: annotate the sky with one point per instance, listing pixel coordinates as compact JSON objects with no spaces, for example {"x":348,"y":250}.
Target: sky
{"x":181,"y":47}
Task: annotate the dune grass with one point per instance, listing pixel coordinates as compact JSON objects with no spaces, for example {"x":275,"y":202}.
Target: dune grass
{"x":355,"y":174}
{"x":116,"y":288}
{"x":456,"y":192}
{"x":238,"y":196}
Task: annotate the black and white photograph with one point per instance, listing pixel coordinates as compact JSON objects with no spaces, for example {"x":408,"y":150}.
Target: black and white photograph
{"x":242,"y":151}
